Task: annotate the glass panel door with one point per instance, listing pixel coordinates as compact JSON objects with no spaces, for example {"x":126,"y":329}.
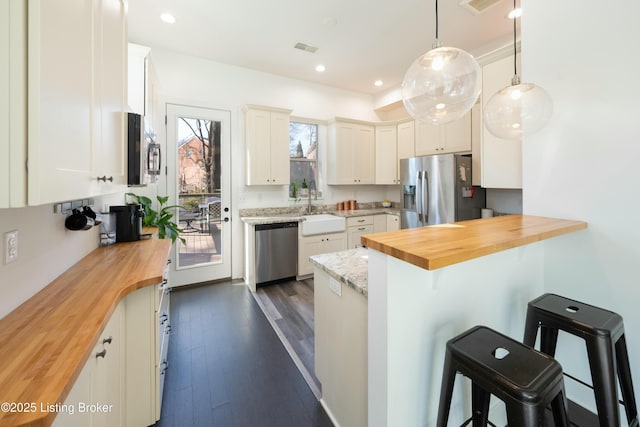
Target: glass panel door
{"x":198,"y":180}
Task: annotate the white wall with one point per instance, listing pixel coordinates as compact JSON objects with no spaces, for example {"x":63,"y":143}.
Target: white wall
{"x":198,"y":82}
{"x":584,"y":164}
{"x":45,"y":250}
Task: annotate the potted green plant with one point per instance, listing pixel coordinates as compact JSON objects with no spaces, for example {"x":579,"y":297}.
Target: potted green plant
{"x":161,"y":219}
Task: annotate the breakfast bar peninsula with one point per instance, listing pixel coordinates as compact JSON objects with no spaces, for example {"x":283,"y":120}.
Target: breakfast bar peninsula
{"x":427,"y":285}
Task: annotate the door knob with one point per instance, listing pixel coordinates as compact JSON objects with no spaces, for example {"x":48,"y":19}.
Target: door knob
{"x":226,"y":219}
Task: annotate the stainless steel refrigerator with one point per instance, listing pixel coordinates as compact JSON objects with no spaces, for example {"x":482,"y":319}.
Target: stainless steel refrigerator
{"x":437,"y":189}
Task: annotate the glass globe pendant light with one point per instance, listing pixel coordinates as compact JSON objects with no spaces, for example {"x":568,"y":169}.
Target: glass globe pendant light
{"x":442,"y":85}
{"x":520,"y":109}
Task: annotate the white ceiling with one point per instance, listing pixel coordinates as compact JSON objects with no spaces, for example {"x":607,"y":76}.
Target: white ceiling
{"x":359,"y":41}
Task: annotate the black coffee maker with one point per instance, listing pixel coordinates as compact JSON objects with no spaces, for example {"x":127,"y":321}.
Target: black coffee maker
{"x":128,"y":222}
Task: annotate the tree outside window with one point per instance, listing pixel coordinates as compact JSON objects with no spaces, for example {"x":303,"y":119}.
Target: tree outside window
{"x":303,"y":154}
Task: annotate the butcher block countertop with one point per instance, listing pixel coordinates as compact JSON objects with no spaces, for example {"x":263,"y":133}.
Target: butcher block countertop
{"x":45,"y":342}
{"x":438,"y":246}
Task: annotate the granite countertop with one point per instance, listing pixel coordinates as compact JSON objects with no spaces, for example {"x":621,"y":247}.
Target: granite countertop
{"x":349,"y":267}
{"x":363,"y":212}
{"x":271,"y":219}
{"x":272,"y":216}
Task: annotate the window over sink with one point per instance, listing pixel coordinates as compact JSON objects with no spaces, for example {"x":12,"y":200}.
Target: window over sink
{"x":303,"y":160}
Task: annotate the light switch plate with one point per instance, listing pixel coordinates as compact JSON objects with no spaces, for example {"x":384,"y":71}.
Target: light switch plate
{"x":10,"y":246}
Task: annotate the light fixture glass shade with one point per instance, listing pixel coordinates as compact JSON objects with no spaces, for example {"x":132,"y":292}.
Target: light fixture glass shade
{"x":442,"y":85}
{"x":518,"y":110}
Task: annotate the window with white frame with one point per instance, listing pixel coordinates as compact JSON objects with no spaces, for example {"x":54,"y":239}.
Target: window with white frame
{"x":303,"y":159}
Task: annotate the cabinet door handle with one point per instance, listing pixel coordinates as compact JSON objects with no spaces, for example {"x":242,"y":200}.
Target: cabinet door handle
{"x":164,"y":283}
{"x":102,"y":353}
{"x":107,"y":340}
{"x":163,"y":319}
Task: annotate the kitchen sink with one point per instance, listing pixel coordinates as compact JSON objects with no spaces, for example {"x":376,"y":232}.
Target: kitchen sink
{"x":322,"y":224}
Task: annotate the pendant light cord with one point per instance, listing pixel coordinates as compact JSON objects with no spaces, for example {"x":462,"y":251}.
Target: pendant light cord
{"x":437,"y":20}
{"x":515,"y":66}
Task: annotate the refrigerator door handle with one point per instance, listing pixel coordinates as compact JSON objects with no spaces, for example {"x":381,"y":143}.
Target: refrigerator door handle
{"x":425,"y":197}
{"x":419,"y":196}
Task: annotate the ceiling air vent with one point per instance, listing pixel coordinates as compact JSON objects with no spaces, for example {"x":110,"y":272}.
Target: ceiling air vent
{"x":478,"y":6}
{"x":306,"y":47}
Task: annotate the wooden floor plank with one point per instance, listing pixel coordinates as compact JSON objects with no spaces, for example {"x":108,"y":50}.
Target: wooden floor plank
{"x":293,"y":301}
{"x":228,"y":368}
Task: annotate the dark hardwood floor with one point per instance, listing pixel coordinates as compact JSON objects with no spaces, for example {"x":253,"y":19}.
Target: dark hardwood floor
{"x":289,"y":308}
{"x":227,"y":366}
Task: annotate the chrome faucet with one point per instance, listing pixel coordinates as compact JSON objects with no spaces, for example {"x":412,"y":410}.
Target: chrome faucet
{"x":309,"y":205}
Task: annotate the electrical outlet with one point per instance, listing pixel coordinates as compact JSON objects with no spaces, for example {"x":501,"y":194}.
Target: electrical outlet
{"x":10,"y":246}
{"x":335,"y":286}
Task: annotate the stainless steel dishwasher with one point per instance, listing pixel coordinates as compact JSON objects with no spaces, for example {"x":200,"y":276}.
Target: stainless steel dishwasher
{"x":276,"y":251}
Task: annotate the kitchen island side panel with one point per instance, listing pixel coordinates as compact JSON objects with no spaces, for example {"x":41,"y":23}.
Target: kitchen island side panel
{"x":417,"y":311}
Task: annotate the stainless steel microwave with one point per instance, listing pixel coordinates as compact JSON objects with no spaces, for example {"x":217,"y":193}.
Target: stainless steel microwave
{"x":143,"y":152}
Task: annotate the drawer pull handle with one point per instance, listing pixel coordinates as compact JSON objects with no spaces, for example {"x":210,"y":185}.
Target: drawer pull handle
{"x":102,"y":353}
{"x":105,"y":178}
{"x":362,"y":228}
{"x":164,"y":283}
{"x":361,"y":220}
{"x":107,"y":340}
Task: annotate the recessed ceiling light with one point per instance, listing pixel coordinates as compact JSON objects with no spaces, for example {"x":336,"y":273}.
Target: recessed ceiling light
{"x":515,"y":13}
{"x":168,"y":18}
{"x":320,"y":68}
{"x":378,"y":83}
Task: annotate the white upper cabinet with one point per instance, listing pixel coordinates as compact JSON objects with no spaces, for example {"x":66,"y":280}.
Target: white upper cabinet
{"x":351,"y":153}
{"x":141,"y":83}
{"x":59,"y":100}
{"x":267,"y":146}
{"x":453,"y":137}
{"x":138,"y":57}
{"x":63,"y":96}
{"x":501,"y":159}
{"x":110,"y":97}
{"x":387,"y":154}
{"x":13,"y":125}
{"x":406,"y":139}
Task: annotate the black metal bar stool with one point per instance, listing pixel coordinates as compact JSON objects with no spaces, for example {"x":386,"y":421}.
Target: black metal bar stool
{"x":526,"y":380}
{"x":603,"y":332}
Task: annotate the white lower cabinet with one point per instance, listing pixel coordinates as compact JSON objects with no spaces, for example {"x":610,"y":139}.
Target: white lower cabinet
{"x":147,"y":331}
{"x":356,"y":227}
{"x":121,"y":383}
{"x":379,"y":223}
{"x":97,"y":396}
{"x":393,"y":222}
{"x":163,"y":330}
{"x":315,"y":245}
